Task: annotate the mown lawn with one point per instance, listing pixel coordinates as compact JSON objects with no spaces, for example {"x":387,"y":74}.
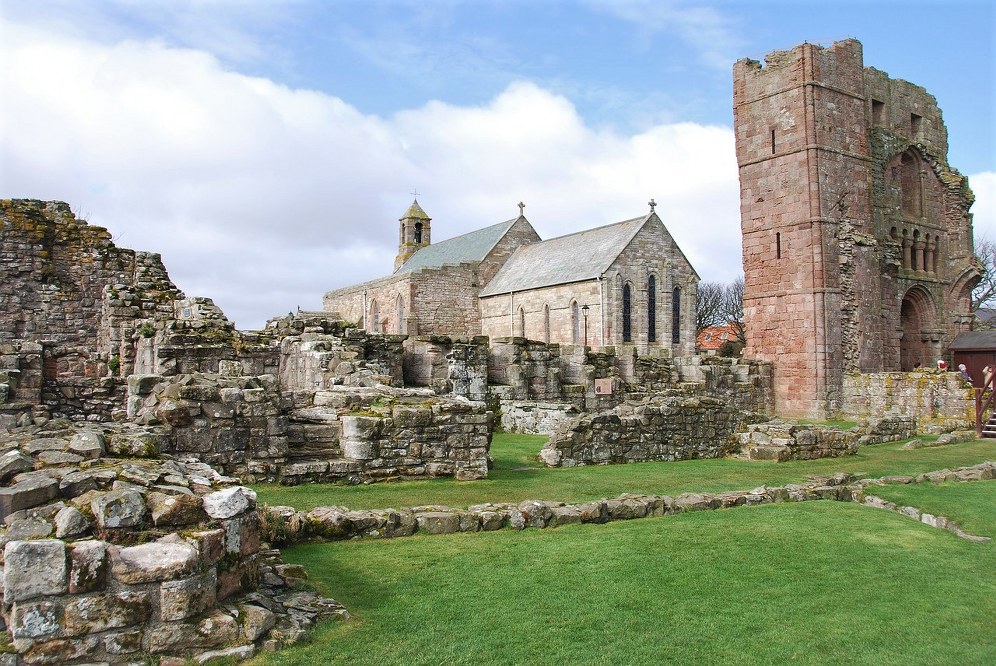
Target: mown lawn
{"x":519,"y":475}
{"x":811,"y":583}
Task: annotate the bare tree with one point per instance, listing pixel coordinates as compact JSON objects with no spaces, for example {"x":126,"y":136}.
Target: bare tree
{"x":710,"y":305}
{"x":984,"y":294}
{"x":733,"y":308}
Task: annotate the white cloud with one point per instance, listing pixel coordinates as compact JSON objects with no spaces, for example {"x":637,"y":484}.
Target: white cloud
{"x":984,"y":209}
{"x":705,"y":28}
{"x":263,"y":197}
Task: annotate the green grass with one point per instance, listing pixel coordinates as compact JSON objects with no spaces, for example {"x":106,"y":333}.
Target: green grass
{"x":968,"y":504}
{"x":811,"y":583}
{"x":519,"y":475}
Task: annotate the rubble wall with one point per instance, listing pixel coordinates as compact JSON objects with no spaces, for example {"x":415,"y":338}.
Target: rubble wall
{"x":664,"y":429}
{"x":113,"y":554}
{"x":939,"y":401}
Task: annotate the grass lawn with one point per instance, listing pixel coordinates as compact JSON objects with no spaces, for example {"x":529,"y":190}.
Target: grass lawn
{"x":519,"y":475}
{"x":812,"y":583}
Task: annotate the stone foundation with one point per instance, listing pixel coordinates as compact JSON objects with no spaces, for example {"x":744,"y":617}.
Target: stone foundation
{"x":666,"y":429}
{"x":114,"y":555}
{"x":344,"y":434}
{"x":331,"y":523}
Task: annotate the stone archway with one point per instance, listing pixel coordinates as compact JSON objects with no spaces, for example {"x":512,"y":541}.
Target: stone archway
{"x":916,"y":317}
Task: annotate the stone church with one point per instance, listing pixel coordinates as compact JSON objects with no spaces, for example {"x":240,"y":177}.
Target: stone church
{"x":622,"y":284}
{"x":857,"y":236}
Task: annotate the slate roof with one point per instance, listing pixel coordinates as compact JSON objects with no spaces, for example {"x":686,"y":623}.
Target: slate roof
{"x":473,"y":246}
{"x":974,"y":341}
{"x":584,"y":255}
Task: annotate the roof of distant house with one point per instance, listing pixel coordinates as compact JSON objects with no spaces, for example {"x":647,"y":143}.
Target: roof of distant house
{"x":713,"y":337}
{"x":974,"y":341}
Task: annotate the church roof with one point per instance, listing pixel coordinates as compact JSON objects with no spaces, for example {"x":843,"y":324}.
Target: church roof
{"x":470,"y":247}
{"x":584,"y":255}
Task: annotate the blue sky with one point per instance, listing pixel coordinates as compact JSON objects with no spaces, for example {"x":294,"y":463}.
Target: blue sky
{"x":267,"y":148}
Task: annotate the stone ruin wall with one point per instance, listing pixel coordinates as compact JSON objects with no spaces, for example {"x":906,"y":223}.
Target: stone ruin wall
{"x":112,"y":553}
{"x":663,"y":429}
{"x":830,"y":267}
{"x":939,"y":401}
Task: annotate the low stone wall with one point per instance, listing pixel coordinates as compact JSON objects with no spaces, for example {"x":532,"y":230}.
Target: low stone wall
{"x":349,"y":435}
{"x":111,"y":555}
{"x":781,"y":440}
{"x":939,"y":401}
{"x":286,"y":525}
{"x":537,"y":418}
{"x":785,"y":440}
{"x":246,"y":426}
{"x":665,"y":428}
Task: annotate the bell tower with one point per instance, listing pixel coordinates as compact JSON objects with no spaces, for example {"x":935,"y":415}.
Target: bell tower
{"x":414,"y":233}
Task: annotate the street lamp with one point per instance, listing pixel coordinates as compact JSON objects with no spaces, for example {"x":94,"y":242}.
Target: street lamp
{"x":584,"y":311}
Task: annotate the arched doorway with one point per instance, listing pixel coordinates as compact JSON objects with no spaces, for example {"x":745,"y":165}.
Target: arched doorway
{"x":915,"y":315}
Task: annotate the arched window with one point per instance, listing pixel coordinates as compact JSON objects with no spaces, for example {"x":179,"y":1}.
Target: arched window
{"x":627,"y":313}
{"x":575,"y":323}
{"x":522,"y":322}
{"x":546,"y":323}
{"x":652,"y":309}
{"x":418,"y":233}
{"x":401,"y":315}
{"x":374,"y":317}
{"x":676,"y":316}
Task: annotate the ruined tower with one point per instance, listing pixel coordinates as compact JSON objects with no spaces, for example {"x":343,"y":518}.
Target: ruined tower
{"x":414,"y":234}
{"x":857,"y":240}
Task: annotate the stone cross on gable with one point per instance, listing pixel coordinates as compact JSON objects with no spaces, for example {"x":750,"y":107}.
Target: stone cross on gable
{"x":521,"y":208}
{"x":652,"y":204}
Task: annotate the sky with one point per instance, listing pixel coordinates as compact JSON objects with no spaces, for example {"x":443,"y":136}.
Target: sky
{"x":267,"y":148}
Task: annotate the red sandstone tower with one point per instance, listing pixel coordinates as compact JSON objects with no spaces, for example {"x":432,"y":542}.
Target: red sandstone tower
{"x":857,"y":240}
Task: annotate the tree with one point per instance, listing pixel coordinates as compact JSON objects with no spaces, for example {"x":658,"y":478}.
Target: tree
{"x":984,"y":294}
{"x":733,"y":308}
{"x":710,"y":305}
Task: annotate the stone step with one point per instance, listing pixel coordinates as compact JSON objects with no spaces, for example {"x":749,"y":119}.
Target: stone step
{"x":769,"y":452}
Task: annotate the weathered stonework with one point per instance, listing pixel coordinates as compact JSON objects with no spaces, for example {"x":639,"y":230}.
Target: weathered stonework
{"x":330,"y":523}
{"x":939,"y":401}
{"x":666,"y":428}
{"x":858,"y":250}
{"x":123,"y":559}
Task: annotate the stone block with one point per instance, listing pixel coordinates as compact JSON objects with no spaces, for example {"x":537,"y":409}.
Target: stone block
{"x":119,"y":508}
{"x":75,"y":484}
{"x":229,"y":502}
{"x":242,"y":534}
{"x":211,"y":545}
{"x":37,"y":619}
{"x":123,"y":642}
{"x":27,"y":494}
{"x":87,"y":566}
{"x":14,"y":462}
{"x":70,"y":523}
{"x":88,"y":444}
{"x":152,"y":562}
{"x":256,"y":621}
{"x":94,"y":613}
{"x":174,"y":509}
{"x":213,"y":631}
{"x":438,"y":522}
{"x":181,"y":599}
{"x":34,"y":568}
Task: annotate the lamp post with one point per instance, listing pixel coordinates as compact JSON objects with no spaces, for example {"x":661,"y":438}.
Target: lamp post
{"x":584,"y":311}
